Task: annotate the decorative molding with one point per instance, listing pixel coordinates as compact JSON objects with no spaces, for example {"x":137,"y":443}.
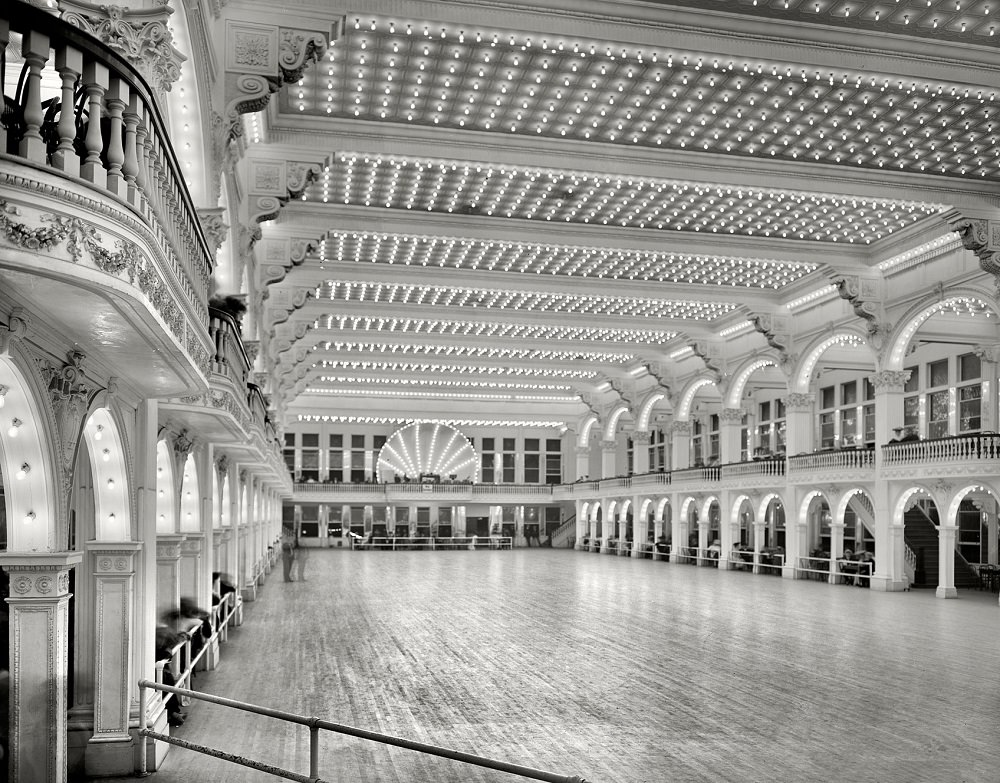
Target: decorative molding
{"x":732,"y":415}
{"x":799,"y":402}
{"x":141,"y":36}
{"x":859,"y":293}
{"x":680,"y":427}
{"x":890,"y":380}
{"x":641,"y":437}
{"x":68,"y":396}
{"x":216,"y":229}
{"x":982,"y":237}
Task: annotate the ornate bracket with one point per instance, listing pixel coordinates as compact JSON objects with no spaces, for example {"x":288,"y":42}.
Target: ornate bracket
{"x":982,"y":237}
{"x":860,"y":292}
{"x":141,"y":36}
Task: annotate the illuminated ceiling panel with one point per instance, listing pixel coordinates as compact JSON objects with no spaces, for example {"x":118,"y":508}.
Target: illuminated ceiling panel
{"x":467,"y":253}
{"x":545,"y":86}
{"x":533,"y":302}
{"x":556,"y":195}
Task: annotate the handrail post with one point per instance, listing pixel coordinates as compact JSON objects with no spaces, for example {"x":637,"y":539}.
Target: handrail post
{"x":314,"y":749}
{"x":142,"y":727}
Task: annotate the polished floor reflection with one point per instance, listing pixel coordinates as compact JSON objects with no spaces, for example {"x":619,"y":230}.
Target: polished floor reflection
{"x":614,"y":669}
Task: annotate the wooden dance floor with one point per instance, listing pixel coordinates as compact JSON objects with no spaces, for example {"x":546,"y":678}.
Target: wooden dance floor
{"x":617,"y":670}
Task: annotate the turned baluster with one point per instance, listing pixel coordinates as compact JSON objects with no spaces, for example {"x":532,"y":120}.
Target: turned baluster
{"x":117,"y":100}
{"x":69,"y":63}
{"x":35,"y":50}
{"x":95,"y":80}
{"x":130,"y":169}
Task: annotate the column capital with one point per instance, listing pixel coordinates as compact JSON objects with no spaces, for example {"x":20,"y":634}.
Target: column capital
{"x":113,"y":557}
{"x":679,"y":427}
{"x":169,"y":547}
{"x":732,"y":415}
{"x":890,"y":380}
{"x":797,"y":401}
{"x":641,"y":437}
{"x":39,"y":574}
{"x":609,"y":445}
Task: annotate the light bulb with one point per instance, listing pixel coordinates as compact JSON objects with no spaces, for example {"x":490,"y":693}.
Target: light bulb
{"x":111,"y":483}
{"x":3,"y":395}
{"x":15,"y":425}
{"x":29,"y":517}
{"x":24,"y":471}
{"x":106,"y":455}
{"x":100,"y":432}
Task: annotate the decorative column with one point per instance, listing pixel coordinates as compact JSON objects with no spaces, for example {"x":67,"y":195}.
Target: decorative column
{"x":168,"y":559}
{"x":640,"y":452}
{"x":731,"y":426}
{"x":758,"y":542}
{"x":799,"y":423}
{"x":946,"y":561}
{"x":609,"y":458}
{"x":890,"y":545}
{"x":988,"y":404}
{"x":836,"y":547}
{"x":680,"y":445}
{"x":190,"y":577}
{"x":582,"y":462}
{"x":39,"y":647}
{"x":110,"y":751}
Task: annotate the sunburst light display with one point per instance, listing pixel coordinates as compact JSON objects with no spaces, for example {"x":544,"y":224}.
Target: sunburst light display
{"x":427,"y":448}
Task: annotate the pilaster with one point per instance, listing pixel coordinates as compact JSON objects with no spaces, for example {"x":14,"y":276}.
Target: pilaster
{"x":39,"y":646}
{"x":110,"y":750}
{"x":168,"y":558}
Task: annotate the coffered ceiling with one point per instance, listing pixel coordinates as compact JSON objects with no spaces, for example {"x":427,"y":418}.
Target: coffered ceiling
{"x":514,"y":207}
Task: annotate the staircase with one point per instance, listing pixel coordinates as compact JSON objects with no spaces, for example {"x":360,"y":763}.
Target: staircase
{"x":564,"y":536}
{"x":921,"y":536}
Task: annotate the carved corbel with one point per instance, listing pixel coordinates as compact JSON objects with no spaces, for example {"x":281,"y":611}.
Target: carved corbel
{"x":141,"y":36}
{"x":69,"y":395}
{"x":16,"y":329}
{"x":863,"y":295}
{"x":711,"y":354}
{"x":216,"y":229}
{"x":656,"y":370}
{"x":260,"y":59}
{"x":982,"y":237}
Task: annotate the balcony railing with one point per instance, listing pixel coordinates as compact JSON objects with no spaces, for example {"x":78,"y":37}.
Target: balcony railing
{"x":689,"y":475}
{"x":961,"y":448}
{"x":759,"y":468}
{"x":229,"y":355}
{"x":839,"y":459}
{"x":82,"y":111}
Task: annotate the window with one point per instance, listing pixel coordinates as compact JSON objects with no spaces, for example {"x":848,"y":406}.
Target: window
{"x":970,"y":394}
{"x":911,"y":413}
{"x":509,"y":475}
{"x":849,"y":393}
{"x":335,"y":458}
{"x":531,"y":444}
{"x":937,"y":414}
{"x":937,"y":373}
{"x":553,"y":461}
{"x":913,"y":381}
{"x":358,"y":474}
{"x":310,"y":456}
{"x":487,"y":461}
{"x":290,"y":452}
{"x":532,"y":470}
{"x":827,"y":430}
{"x":714,"y":453}
{"x":827,"y":397}
{"x":969,"y":367}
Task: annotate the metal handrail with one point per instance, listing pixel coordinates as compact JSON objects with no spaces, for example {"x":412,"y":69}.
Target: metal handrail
{"x":315,"y":724}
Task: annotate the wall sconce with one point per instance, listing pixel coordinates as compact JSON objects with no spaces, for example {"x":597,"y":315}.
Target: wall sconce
{"x":15,"y":425}
{"x":3,"y":395}
{"x":24,"y":471}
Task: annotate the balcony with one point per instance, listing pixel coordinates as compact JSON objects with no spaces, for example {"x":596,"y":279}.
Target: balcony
{"x":968,"y":455}
{"x":850,"y":465}
{"x":763,"y":472}
{"x":94,"y":211}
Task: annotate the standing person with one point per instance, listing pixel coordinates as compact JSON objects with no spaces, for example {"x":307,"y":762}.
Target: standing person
{"x":287,"y":552}
{"x":301,"y":556}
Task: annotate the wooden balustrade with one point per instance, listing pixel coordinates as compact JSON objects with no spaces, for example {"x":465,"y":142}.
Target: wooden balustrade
{"x":101,"y":125}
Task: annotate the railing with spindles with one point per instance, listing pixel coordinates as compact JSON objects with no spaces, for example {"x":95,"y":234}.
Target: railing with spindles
{"x":101,"y":128}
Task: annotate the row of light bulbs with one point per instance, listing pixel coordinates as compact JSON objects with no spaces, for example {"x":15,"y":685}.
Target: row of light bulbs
{"x":376,"y":380}
{"x":471,"y":351}
{"x":498,"y":330}
{"x":571,"y":260}
{"x":507,"y":300}
{"x":456,"y":369}
{"x":555,"y":399}
{"x":327,"y":418}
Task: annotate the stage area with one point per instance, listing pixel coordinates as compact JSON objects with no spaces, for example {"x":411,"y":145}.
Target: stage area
{"x":615,"y":669}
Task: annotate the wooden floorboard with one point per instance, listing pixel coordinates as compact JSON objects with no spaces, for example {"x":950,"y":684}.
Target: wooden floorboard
{"x":615,"y":669}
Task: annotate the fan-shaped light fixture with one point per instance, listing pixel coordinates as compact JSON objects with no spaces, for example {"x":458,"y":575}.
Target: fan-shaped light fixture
{"x":425,"y":449}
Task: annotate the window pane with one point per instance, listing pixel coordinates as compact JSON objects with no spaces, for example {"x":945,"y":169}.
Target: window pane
{"x":937,"y":373}
{"x":531,"y":444}
{"x":508,"y":444}
{"x":310,"y":440}
{"x":826,"y":429}
{"x":357,"y":441}
{"x":911,"y":411}
{"x":913,"y":382}
{"x":969,"y":367}
{"x":488,"y":444}
{"x":869,"y":389}
{"x":826,"y":397}
{"x":290,"y":439}
{"x":765,"y":411}
{"x":779,"y":409}
{"x":969,"y":408}
{"x":336,"y":441}
{"x":937,"y":414}
{"x":848,"y":393}
{"x":553,"y":444}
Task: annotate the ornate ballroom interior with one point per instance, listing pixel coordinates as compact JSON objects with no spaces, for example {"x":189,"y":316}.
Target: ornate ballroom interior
{"x":721,"y":275}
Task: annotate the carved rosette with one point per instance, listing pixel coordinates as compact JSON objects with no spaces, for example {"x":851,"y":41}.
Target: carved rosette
{"x":191,"y":547}
{"x":168,"y":550}
{"x":141,"y":36}
{"x":890,"y":380}
{"x":797,"y":402}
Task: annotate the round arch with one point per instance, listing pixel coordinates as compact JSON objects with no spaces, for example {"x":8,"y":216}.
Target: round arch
{"x":103,"y":439}
{"x":165,"y":507}
{"x":612,"y":423}
{"x":646,"y":409}
{"x":734,"y":396}
{"x":660,"y":507}
{"x":25,"y":458}
{"x":761,"y":511}
{"x":962,"y":494}
{"x":683,"y":411}
{"x":843,"y":337}
{"x":583,"y":439}
{"x":970,"y":300}
{"x":626,"y":505}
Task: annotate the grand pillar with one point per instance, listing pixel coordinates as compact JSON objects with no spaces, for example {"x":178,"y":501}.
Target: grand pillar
{"x":110,"y":751}
{"x":680,"y":445}
{"x":39,"y":646}
{"x":640,"y":452}
{"x":609,"y":458}
{"x":889,"y":532}
{"x":946,"y":561}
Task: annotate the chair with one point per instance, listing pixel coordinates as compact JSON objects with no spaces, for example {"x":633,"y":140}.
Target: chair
{"x":989,"y":577}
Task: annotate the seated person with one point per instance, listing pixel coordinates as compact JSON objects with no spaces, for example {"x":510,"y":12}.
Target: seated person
{"x":866,"y":567}
{"x":715,"y":550}
{"x":662,"y":545}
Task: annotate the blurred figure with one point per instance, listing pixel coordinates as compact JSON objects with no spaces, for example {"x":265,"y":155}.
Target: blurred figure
{"x":287,"y":552}
{"x":301,"y":558}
